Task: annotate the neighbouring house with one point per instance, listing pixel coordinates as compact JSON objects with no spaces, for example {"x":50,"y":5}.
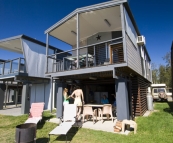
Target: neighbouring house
{"x":172,"y":64}
{"x":22,"y":80}
{"x":108,"y":55}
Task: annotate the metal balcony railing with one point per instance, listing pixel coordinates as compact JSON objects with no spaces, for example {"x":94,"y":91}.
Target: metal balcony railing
{"x":13,"y":66}
{"x":98,"y":54}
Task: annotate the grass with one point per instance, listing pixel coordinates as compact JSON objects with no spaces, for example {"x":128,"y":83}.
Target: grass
{"x":157,"y":128}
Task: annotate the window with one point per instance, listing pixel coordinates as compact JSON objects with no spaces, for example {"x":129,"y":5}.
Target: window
{"x":155,"y":90}
{"x":169,"y":90}
{"x":161,"y":90}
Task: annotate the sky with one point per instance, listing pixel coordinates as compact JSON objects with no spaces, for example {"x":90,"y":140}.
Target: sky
{"x":32,"y":17}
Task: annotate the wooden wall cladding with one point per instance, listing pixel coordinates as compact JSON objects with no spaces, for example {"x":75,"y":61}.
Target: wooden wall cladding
{"x":139,"y":95}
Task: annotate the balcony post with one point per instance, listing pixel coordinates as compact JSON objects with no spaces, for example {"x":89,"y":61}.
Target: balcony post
{"x":19,"y":65}
{"x":47,"y":51}
{"x":24,"y":65}
{"x":94,"y":56}
{"x":87,"y":59}
{"x":10,"y":66}
{"x":3,"y":67}
{"x":77,"y":39}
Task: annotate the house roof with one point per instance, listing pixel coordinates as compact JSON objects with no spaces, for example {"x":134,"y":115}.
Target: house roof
{"x":95,"y":7}
{"x":14,"y":43}
{"x":86,"y":9}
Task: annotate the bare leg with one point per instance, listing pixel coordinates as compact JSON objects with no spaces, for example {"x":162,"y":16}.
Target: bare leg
{"x":79,"y":111}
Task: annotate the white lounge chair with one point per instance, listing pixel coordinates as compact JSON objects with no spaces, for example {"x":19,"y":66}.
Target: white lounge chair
{"x":36,"y":112}
{"x":69,"y":119}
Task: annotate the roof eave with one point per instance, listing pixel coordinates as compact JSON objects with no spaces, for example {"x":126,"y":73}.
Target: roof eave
{"x":11,"y":38}
{"x":84,"y":9}
{"x":29,"y":39}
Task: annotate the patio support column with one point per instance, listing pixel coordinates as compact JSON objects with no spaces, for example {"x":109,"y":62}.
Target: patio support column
{"x":59,"y":99}
{"x":53,"y":94}
{"x":25,"y":99}
{"x":6,"y":92}
{"x":122,"y":99}
{"x":123,"y":32}
{"x":47,"y":51}
{"x":17,"y":93}
{"x":2,"y":93}
{"x":51,"y":99}
{"x":77,"y":39}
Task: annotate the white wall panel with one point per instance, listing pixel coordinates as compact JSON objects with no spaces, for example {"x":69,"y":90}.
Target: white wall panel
{"x":35,"y":56}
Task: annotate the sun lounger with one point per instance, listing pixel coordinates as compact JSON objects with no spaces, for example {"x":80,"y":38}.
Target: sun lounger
{"x":36,"y":112}
{"x":69,"y":119}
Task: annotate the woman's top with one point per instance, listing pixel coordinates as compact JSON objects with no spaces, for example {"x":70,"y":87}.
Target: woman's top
{"x":66,"y":100}
{"x":104,"y":101}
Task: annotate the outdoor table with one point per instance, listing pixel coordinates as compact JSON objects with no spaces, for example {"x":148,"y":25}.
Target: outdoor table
{"x":95,"y":106}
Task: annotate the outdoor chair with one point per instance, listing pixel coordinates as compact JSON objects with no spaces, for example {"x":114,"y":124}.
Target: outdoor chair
{"x":36,"y":112}
{"x":68,"y":120}
{"x":87,"y":110}
{"x":106,"y":110}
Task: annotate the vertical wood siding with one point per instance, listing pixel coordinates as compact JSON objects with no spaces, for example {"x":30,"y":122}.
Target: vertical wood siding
{"x":139,"y":95}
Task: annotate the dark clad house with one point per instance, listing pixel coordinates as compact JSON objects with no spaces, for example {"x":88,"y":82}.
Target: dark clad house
{"x":172,"y":63}
{"x":108,"y":55}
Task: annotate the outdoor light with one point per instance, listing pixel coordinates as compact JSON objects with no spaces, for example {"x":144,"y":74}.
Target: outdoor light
{"x":73,"y":32}
{"x":107,"y":22}
{"x":93,"y":78}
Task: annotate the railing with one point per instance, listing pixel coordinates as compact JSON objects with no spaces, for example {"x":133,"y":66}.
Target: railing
{"x":12,"y":66}
{"x":99,"y":54}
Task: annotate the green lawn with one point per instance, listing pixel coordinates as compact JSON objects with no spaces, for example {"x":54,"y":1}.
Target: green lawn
{"x":157,"y":128}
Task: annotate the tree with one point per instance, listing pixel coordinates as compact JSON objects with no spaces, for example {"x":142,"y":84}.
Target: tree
{"x":163,"y":73}
{"x":155,"y":73}
{"x":167,"y":59}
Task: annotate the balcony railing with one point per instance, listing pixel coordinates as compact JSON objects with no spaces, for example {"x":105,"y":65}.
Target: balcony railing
{"x":100,"y":54}
{"x":12,"y":66}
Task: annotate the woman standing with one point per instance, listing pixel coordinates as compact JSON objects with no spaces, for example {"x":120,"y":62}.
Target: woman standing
{"x":66,"y":97}
{"x":78,"y":99}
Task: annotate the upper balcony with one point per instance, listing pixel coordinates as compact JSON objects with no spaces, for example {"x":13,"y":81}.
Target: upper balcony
{"x":100,"y":54}
{"x":13,"y":67}
{"x":95,"y":34}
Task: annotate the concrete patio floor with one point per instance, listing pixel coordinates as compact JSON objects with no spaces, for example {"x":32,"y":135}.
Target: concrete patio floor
{"x":11,"y":110}
{"x":106,"y":126}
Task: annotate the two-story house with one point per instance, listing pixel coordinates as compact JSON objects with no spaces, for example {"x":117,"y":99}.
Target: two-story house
{"x":108,"y":55}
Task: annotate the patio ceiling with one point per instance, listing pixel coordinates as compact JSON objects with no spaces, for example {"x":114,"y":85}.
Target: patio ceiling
{"x":90,"y":23}
{"x":12,"y":45}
